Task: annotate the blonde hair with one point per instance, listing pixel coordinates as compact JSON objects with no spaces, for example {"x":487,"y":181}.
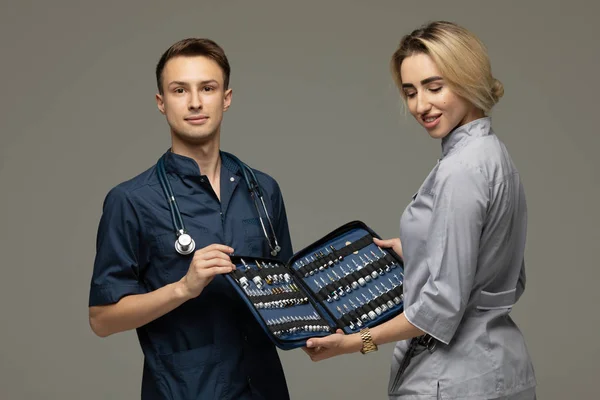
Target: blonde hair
{"x":459,"y":55}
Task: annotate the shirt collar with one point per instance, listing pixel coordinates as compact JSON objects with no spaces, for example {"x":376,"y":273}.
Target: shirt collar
{"x":230,"y":164}
{"x":460,"y":135}
{"x":186,"y":166}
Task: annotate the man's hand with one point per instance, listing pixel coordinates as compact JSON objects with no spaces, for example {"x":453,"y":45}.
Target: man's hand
{"x":137,"y":310}
{"x":333,"y":345}
{"x":395,"y":244}
{"x":207,"y":263}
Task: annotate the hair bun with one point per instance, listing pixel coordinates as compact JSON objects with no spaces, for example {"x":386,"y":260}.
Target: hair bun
{"x":497,"y":90}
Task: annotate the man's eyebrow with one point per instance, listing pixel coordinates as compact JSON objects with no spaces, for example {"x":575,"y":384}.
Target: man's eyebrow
{"x":182,"y":83}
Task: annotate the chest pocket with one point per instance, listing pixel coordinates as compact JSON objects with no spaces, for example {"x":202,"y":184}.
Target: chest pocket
{"x":254,"y":238}
{"x":252,"y":228}
{"x":168,"y":265}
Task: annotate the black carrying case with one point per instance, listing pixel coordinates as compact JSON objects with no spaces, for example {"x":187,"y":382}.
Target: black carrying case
{"x":342,"y":281}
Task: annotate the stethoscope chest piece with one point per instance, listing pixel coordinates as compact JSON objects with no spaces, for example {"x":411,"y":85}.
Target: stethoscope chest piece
{"x":185,"y":244}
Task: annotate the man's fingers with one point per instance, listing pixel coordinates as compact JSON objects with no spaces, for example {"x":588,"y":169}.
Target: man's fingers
{"x":208,"y":272}
{"x":214,"y":263}
{"x":213,"y":254}
{"x":216,"y":246}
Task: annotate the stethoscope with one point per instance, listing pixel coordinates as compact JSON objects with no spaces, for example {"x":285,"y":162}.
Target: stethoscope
{"x":184,"y":244}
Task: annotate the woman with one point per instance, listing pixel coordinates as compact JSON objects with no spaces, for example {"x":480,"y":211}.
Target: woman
{"x":462,"y":237}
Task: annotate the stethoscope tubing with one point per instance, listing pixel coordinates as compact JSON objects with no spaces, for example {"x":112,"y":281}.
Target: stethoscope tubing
{"x":253,"y":187}
{"x":167,"y":189}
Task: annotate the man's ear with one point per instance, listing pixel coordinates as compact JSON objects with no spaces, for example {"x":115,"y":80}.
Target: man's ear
{"x":227,"y":99}
{"x":160,"y":103}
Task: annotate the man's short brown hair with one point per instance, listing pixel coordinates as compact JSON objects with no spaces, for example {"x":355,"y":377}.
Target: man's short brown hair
{"x":194,"y":47}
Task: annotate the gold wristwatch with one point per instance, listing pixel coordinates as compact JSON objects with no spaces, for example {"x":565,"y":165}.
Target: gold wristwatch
{"x":368,"y":344}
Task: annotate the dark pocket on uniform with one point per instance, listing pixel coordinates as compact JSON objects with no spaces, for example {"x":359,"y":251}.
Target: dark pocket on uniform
{"x":167,"y":263}
{"x":254,"y":235}
{"x":193,"y":374}
{"x":252,"y":228}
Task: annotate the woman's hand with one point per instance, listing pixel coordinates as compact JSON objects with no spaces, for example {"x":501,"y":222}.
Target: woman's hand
{"x":333,"y":345}
{"x":395,"y":244}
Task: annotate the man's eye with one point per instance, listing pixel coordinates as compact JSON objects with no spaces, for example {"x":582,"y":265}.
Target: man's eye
{"x":208,"y":88}
{"x":410,"y":95}
{"x":178,"y":90}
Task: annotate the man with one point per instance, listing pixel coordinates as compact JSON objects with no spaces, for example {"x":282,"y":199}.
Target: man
{"x":198,"y":338}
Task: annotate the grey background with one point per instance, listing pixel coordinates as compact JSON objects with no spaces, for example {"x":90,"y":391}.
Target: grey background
{"x":314,"y":105}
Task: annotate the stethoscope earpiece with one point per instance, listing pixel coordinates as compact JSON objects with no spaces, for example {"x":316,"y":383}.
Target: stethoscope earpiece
{"x":275,"y":251}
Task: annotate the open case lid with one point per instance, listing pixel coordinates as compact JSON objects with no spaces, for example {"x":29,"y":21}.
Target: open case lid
{"x":317,"y":291}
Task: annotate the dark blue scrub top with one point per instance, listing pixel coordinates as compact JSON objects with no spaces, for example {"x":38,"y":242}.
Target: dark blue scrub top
{"x":210,"y":347}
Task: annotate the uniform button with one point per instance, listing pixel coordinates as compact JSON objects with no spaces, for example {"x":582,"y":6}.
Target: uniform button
{"x":249,"y":380}
{"x":246,"y":338}
{"x":232,"y":179}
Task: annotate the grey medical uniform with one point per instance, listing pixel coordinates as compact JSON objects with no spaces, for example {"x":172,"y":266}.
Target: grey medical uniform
{"x":463,"y":239}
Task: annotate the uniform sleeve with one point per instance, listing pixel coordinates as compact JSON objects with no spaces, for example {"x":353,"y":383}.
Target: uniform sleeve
{"x":459,"y":211}
{"x":521,"y":282}
{"x":280,"y":225}
{"x":116,"y":265}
